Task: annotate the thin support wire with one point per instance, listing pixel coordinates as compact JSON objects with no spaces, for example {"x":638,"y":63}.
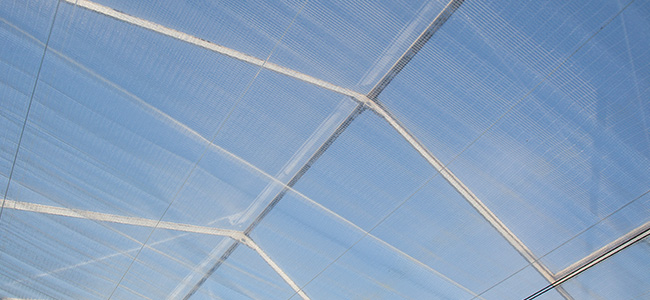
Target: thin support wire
{"x":29,"y":107}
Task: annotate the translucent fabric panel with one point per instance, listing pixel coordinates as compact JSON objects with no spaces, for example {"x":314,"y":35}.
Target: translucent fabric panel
{"x":218,"y":191}
{"x":372,"y":169}
{"x":304,"y":238}
{"x":34,"y":17}
{"x":373,"y":269}
{"x":185,"y":87}
{"x":245,"y":275}
{"x":251,"y":27}
{"x":576,"y":149}
{"x":278,"y":117}
{"x":484,"y":59}
{"x":520,"y":285}
{"x":272,"y":132}
{"x":622,"y":276}
{"x":353,"y":43}
{"x":117,"y":141}
{"x":20,"y":57}
{"x":168,"y":257}
{"x":53,"y":257}
{"x":440,"y":229}
{"x":605,"y":231}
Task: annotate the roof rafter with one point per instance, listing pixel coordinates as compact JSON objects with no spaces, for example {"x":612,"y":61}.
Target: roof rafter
{"x":112,"y":218}
{"x":188,"y":38}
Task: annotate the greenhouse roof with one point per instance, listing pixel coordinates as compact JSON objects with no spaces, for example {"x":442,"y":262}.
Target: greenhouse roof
{"x":302,"y":149}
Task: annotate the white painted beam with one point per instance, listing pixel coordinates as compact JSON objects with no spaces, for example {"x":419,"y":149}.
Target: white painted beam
{"x":107,"y":11}
{"x":103,"y":217}
{"x":244,"y":239}
{"x":467,"y":194}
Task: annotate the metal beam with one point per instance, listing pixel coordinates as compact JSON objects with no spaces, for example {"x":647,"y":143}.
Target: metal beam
{"x":286,"y":187}
{"x":244,"y":239}
{"x":103,"y":217}
{"x":467,"y":194}
{"x":596,"y":257}
{"x":181,"y":36}
{"x":372,"y":102}
{"x":463,"y":190}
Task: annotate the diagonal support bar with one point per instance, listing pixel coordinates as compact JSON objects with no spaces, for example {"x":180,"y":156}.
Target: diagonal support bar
{"x":155,"y":27}
{"x":244,"y":239}
{"x":467,"y":194}
{"x":103,"y":217}
{"x":305,"y":167}
{"x":371,"y":101}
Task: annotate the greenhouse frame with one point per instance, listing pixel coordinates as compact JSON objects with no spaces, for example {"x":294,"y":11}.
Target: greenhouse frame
{"x":300,"y":149}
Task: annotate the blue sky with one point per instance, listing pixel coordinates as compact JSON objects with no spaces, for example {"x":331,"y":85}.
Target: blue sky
{"x":540,"y":107}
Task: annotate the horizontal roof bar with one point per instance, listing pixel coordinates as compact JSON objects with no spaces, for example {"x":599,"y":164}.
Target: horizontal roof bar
{"x":103,"y":217}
